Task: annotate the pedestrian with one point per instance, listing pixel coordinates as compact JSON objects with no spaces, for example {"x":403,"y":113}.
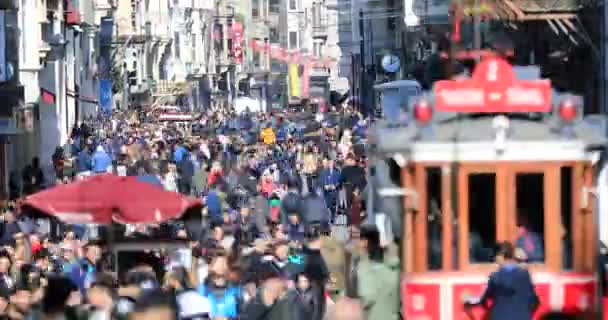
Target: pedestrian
{"x":510,"y":289}
{"x":377,"y":278}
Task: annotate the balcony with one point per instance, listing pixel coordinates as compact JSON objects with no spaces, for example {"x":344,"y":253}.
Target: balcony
{"x":319,"y":29}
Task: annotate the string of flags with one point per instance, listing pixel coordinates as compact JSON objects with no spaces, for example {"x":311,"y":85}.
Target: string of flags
{"x":291,"y":56}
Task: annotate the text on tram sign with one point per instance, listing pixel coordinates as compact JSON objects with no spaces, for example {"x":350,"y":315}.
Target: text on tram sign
{"x":493,"y":88}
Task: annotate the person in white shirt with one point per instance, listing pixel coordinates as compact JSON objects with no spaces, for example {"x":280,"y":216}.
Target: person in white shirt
{"x":170,"y":180}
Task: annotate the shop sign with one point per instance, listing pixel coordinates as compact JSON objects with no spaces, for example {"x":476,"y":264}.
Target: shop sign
{"x":493,"y":88}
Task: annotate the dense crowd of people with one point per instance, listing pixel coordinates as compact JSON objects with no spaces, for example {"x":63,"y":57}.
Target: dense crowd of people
{"x":281,"y":232}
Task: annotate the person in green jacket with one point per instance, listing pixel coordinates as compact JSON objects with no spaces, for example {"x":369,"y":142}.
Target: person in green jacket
{"x":377,"y":278}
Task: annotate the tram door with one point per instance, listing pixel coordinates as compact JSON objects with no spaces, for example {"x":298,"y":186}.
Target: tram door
{"x":520,"y":203}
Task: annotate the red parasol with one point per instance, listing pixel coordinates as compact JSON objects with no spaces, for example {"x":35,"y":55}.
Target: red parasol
{"x":104,"y":198}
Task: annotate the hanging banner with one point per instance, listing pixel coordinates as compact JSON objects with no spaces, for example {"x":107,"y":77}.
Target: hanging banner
{"x":306,"y":81}
{"x":237,"y":42}
{"x":105,"y":95}
{"x":294,"y":80}
{"x":281,"y":54}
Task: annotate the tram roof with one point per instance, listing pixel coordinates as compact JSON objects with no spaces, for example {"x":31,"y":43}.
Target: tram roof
{"x":586,"y":133}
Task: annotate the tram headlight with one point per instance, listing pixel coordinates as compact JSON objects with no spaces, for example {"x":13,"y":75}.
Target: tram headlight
{"x":568,"y":110}
{"x":423,"y":111}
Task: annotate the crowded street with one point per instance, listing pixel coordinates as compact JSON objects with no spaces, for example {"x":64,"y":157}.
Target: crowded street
{"x":303,"y":160}
{"x":255,"y":216}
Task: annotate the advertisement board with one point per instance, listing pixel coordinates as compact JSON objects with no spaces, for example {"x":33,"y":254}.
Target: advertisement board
{"x":105,"y":95}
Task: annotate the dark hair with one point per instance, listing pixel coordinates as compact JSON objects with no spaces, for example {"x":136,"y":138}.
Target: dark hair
{"x":560,"y":316}
{"x":107,"y":282}
{"x":29,"y":278}
{"x":57,"y":292}
{"x":370,"y":233}
{"x":313,"y":231}
{"x":506,"y":250}
{"x":155,"y":299}
{"x":180,"y":274}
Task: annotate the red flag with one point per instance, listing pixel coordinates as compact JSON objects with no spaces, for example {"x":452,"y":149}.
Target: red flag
{"x":47,"y":96}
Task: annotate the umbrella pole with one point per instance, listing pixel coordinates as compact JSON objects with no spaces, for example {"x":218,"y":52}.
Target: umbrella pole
{"x":112,"y":248}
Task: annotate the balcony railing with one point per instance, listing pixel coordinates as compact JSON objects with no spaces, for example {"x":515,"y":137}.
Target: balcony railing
{"x":319,"y":28}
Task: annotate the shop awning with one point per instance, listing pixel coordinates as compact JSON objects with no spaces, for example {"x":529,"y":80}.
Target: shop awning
{"x":527,"y":10}
{"x":560,"y":15}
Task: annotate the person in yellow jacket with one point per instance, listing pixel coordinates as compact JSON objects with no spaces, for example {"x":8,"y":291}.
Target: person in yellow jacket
{"x":268,"y":136}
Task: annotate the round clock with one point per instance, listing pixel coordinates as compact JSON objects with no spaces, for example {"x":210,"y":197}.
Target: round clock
{"x":391,"y":63}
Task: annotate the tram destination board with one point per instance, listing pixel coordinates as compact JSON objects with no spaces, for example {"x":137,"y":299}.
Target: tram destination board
{"x":493,"y":88}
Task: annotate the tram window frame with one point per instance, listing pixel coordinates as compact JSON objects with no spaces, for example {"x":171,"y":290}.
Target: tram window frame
{"x":567,"y":196}
{"x":463,"y":220}
{"x":528,"y":219}
{"x":434,"y":207}
{"x":551,"y":211}
{"x":485,"y":240}
{"x":506,"y":209}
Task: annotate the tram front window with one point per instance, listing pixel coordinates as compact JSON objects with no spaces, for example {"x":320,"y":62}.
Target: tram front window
{"x":434,"y":217}
{"x":482,"y":217}
{"x":530,"y":217}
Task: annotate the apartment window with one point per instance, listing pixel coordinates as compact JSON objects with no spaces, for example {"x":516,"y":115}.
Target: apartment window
{"x":177,"y":44}
{"x":274,"y":6}
{"x":293,"y":40}
{"x":293,"y":5}
{"x":256,"y":59}
{"x":316,"y":15}
{"x":274,"y":35}
{"x":316,"y":49}
{"x":255,"y":8}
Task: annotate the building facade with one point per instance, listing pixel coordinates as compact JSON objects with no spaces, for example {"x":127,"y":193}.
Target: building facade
{"x":57,"y":65}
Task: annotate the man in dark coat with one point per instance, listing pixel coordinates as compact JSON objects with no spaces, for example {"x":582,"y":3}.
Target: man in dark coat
{"x":272,"y":303}
{"x":315,"y":210}
{"x":186,"y":172}
{"x":510,"y":289}
{"x":352,"y":178}
{"x":330,"y":180}
{"x":291,"y":204}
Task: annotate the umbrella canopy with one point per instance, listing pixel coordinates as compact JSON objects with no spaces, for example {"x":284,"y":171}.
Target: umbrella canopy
{"x":151,"y":179}
{"x":104,"y":198}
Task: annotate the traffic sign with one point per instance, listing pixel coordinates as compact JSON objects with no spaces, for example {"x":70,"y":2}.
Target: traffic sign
{"x":493,"y":88}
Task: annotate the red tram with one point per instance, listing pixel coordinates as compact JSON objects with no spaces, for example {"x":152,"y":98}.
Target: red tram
{"x":497,"y":151}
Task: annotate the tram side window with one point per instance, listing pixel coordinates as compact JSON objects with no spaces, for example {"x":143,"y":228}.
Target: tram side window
{"x":433,"y":191}
{"x":530,"y":216}
{"x":566,"y":206}
{"x":482,"y":217}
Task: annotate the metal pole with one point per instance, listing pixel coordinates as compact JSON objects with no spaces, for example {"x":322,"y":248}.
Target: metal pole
{"x":362,"y":72}
{"x":125,"y":88}
{"x":603,"y":87}
{"x":477,"y":30}
{"x":125,"y":76}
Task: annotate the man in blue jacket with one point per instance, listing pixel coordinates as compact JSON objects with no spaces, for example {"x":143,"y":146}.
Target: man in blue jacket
{"x":510,"y":289}
{"x":214,"y":205}
{"x":330,"y":180}
{"x":84,"y":160}
{"x":101,"y":160}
